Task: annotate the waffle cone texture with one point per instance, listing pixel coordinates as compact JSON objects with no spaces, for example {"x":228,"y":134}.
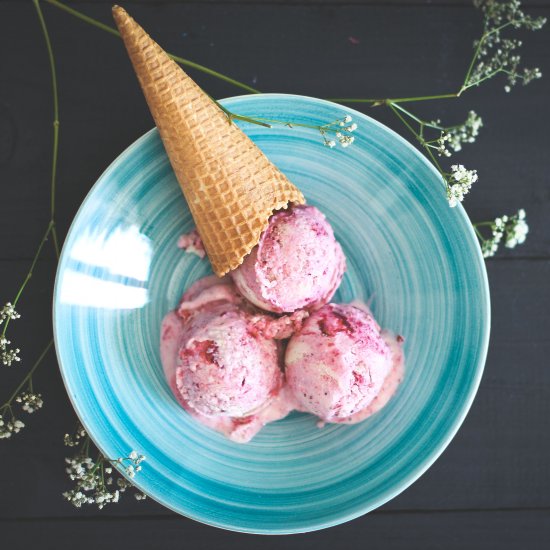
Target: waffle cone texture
{"x":230,"y":185}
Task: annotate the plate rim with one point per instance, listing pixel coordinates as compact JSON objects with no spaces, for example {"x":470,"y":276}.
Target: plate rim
{"x":458,"y":420}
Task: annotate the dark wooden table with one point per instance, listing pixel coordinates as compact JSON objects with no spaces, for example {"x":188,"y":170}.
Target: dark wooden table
{"x":491,"y":487}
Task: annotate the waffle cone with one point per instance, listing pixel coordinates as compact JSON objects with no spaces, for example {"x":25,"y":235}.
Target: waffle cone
{"x":230,"y":185}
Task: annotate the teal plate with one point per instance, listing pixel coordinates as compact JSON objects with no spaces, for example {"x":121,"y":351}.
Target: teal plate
{"x":415,"y":258}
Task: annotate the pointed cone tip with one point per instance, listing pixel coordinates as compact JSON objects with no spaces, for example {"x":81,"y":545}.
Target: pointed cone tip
{"x":119,"y":15}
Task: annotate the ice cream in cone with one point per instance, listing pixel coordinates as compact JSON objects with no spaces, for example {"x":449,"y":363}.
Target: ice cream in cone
{"x":230,"y":185}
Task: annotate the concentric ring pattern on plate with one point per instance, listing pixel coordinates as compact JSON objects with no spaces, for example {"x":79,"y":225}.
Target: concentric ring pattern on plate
{"x":408,"y":252}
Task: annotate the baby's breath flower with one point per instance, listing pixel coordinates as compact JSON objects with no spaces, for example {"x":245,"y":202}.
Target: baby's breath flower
{"x":94,"y":485}
{"x":454,"y":136}
{"x":497,"y":54}
{"x":455,"y":194}
{"x":442,"y":146}
{"x":77,"y":498}
{"x":8,"y":356}
{"x":459,"y":183}
{"x":346,"y":141}
{"x":123,"y":484}
{"x":75,"y":440}
{"x":342,"y":130}
{"x":91,"y":485}
{"x":7,"y":428}
{"x":8,"y":312}
{"x":489,"y":248}
{"x":463,"y":176}
{"x":465,"y":133}
{"x":30,"y":401}
{"x":514,"y":229}
{"x":531,"y":74}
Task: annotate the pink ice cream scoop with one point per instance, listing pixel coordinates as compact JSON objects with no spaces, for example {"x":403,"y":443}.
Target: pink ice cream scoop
{"x":337,"y":364}
{"x":297,"y":263}
{"x":224,"y":366}
{"x":222,"y":359}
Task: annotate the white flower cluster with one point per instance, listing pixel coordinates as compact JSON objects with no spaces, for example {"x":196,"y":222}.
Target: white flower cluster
{"x":134,"y":467}
{"x":8,"y":312}
{"x":8,"y":356}
{"x":465,"y":133}
{"x":459,"y":183}
{"x":91,"y":485}
{"x":74,"y":441}
{"x":497,"y":54}
{"x":30,"y":401}
{"x":94,"y":482}
{"x":9,"y":428}
{"x":514,"y":229}
{"x":442,"y":144}
{"x":343,"y":135}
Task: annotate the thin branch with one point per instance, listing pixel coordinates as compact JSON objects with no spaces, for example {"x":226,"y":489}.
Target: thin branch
{"x":403,"y":120}
{"x":387,"y":101}
{"x":29,"y":273}
{"x":55,"y":124}
{"x":28,"y":376}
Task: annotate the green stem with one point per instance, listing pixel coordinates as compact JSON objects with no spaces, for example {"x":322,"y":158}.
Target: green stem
{"x":233,"y":116}
{"x":424,"y":98}
{"x":395,"y":109}
{"x":409,"y":114}
{"x":55,"y":123}
{"x":29,"y":374}
{"x":83,"y":17}
{"x":472,"y":63}
{"x":29,"y":274}
{"x":436,"y":163}
{"x":177,"y":59}
{"x":325,"y":127}
{"x":86,"y":445}
{"x":403,"y":120}
{"x":55,"y":241}
{"x":423,"y":122}
{"x":491,"y":75}
{"x":426,"y":146}
{"x":465,"y":84}
{"x":387,"y":101}
{"x":478,"y":233}
{"x":98,"y":462}
{"x":211,"y":72}
{"x":268,"y":122}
